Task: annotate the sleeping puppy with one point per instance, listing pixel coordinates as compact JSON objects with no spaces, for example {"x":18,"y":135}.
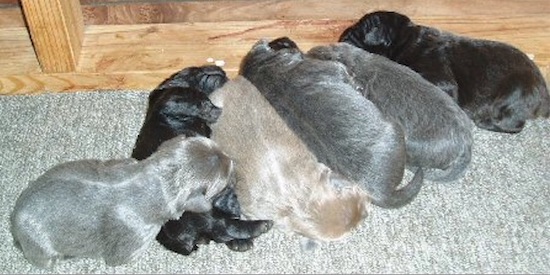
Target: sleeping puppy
{"x":497,"y":85}
{"x":438,"y":133}
{"x":278,"y":178}
{"x":173,"y":111}
{"x":320,"y":101}
{"x":181,"y":105}
{"x":113,"y":209}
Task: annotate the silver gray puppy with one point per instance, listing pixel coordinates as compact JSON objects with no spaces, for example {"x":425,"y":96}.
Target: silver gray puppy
{"x":278,"y":178}
{"x":438,"y":132}
{"x":114,"y":209}
{"x":320,"y":101}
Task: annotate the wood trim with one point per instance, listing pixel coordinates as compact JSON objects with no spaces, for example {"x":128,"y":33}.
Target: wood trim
{"x":57,"y":29}
{"x":149,"y":12}
{"x":139,"y":56}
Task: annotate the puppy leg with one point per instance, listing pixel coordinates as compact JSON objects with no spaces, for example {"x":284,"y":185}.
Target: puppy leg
{"x":247,"y":230}
{"x":229,"y":229}
{"x":240,"y":245}
{"x":35,"y":246}
{"x":181,"y":236}
{"x":227,"y":204}
{"x":39,"y":254}
{"x":125,"y":235}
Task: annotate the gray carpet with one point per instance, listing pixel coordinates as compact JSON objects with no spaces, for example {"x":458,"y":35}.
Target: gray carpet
{"x":494,"y":220}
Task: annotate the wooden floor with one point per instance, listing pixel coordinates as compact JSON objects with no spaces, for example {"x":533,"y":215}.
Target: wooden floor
{"x":135,"y":44}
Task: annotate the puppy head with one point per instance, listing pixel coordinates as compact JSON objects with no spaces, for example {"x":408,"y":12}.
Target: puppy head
{"x":522,"y":97}
{"x":378,"y":32}
{"x":178,"y":104}
{"x":204,"y":78}
{"x":279,"y":52}
{"x":195,"y":170}
{"x":335,"y":207}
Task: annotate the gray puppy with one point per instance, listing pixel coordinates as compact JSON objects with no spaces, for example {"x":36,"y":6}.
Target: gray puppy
{"x":278,"y":178}
{"x":320,"y":101}
{"x":114,"y":209}
{"x":438,"y":132}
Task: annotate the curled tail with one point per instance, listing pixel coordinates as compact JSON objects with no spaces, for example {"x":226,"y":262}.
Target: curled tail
{"x":456,"y":170}
{"x":403,"y":196}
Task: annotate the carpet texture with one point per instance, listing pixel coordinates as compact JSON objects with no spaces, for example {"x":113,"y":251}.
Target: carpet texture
{"x":494,"y":220}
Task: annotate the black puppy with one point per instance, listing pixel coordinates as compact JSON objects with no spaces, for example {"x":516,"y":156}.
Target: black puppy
{"x":180,"y":105}
{"x":496,"y":84}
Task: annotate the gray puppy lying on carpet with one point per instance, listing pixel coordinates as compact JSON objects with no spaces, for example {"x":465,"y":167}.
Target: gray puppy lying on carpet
{"x":113,"y":209}
{"x":278,"y":178}
{"x":320,"y":101}
{"x":497,"y":85}
{"x":438,"y":133}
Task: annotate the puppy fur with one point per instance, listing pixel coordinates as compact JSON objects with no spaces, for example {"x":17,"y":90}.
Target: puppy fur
{"x":320,"y":101}
{"x":173,"y":111}
{"x":496,"y":84}
{"x":113,"y":209}
{"x":180,"y":104}
{"x":438,"y":133}
{"x":278,"y":178}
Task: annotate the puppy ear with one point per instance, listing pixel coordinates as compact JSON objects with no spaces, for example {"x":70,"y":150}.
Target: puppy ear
{"x":376,"y":32}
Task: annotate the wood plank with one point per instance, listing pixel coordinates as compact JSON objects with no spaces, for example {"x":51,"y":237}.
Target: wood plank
{"x":68,"y":82}
{"x":172,"y":46}
{"x":245,"y":10}
{"x":16,"y":52}
{"x":96,"y":12}
{"x":9,"y":3}
{"x":11,"y":17}
{"x":56,"y":28}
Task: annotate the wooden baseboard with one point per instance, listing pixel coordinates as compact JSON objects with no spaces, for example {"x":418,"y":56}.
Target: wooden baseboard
{"x":139,"y":56}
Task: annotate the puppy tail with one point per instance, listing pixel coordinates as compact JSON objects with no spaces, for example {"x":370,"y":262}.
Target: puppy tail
{"x":403,"y":196}
{"x":455,"y":171}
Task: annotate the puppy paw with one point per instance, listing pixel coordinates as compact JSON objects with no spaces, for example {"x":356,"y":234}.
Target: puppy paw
{"x":307,"y":244}
{"x":240,"y":245}
{"x":265,"y":226}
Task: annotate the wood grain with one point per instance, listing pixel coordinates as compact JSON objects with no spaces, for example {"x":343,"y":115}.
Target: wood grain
{"x":139,"y":55}
{"x":245,"y":10}
{"x":56,"y":29}
{"x":172,"y":46}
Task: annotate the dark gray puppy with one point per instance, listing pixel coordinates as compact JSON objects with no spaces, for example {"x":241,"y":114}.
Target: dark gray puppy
{"x":113,"y":209}
{"x":497,"y":85}
{"x":438,"y":133}
{"x":319,"y":100}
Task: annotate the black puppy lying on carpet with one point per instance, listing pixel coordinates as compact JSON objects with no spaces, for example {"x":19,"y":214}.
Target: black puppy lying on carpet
{"x":180,"y":105}
{"x":497,"y":85}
